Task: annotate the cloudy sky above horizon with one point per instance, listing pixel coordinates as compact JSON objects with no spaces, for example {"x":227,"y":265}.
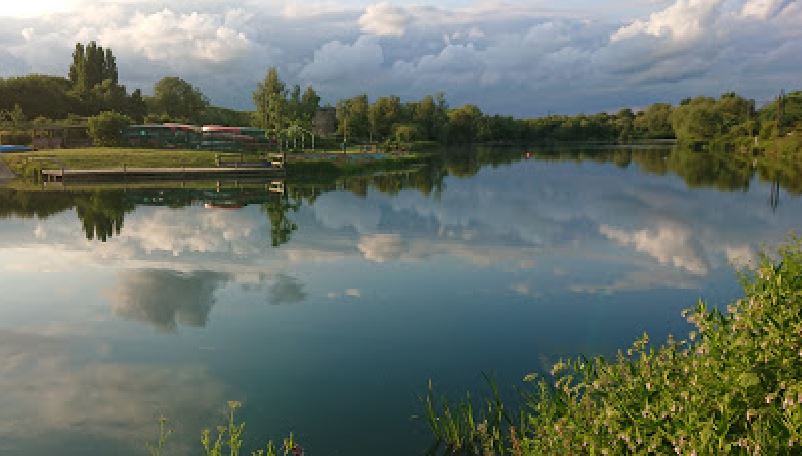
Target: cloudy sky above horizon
{"x":516,"y":57}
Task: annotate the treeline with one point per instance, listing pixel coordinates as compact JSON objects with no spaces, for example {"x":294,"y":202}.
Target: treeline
{"x":92,"y":86}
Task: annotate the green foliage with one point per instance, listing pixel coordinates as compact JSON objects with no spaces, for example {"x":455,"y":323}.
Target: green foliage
{"x":214,"y":115}
{"x":39,"y":95}
{"x":383,"y":115}
{"x":708,"y":119}
{"x":106,"y":128}
{"x":353,"y":117}
{"x":91,"y":66}
{"x":310,"y":102}
{"x":792,"y":106}
{"x":733,"y":387}
{"x":655,"y":122}
{"x":270,"y":99}
{"x":464,"y":124}
{"x":279,"y":110}
{"x":177,"y":99}
{"x":407,"y":133}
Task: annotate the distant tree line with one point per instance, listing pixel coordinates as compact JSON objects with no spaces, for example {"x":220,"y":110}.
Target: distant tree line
{"x":92,"y":87}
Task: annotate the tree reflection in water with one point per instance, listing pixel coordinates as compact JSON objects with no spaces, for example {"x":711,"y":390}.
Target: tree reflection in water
{"x":102,"y":212}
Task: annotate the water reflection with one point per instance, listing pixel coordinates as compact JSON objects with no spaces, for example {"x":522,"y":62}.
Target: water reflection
{"x":166,"y":298}
{"x":562,"y":251}
{"x":56,"y":402}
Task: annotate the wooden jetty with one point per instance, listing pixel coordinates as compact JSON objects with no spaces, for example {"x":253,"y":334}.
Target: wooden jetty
{"x":126,"y":173}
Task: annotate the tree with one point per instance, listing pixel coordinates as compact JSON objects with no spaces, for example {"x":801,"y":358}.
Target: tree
{"x":625,"y":121}
{"x":39,"y":95}
{"x":137,"y":109}
{"x":310,"y":102}
{"x":91,"y":65}
{"x":294,"y":107}
{"x":353,"y":117}
{"x":431,"y":116}
{"x":463,"y":124}
{"x":697,"y":120}
{"x":384,"y":114}
{"x":178,"y":99}
{"x":270,"y":99}
{"x":655,"y":121}
{"x":106,"y":128}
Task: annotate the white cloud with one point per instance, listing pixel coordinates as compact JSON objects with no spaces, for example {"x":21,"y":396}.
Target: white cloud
{"x":166,"y":36}
{"x":513,"y":58}
{"x":384,"y":19}
{"x":353,"y":293}
{"x":684,"y":20}
{"x":764,"y":8}
{"x":669,"y":244}
{"x":381,"y":247}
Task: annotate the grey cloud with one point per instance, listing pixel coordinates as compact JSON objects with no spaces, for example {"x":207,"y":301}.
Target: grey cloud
{"x":286,"y":290}
{"x":165,"y":298}
{"x":517,"y":59}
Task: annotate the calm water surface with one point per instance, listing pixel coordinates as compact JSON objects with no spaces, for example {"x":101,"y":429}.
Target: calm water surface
{"x":326,"y":309}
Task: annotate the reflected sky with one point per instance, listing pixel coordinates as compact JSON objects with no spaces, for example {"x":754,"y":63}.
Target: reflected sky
{"x":369,"y":296}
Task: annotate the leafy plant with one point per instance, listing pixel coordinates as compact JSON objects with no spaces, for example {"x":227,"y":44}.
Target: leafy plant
{"x":734,"y":386}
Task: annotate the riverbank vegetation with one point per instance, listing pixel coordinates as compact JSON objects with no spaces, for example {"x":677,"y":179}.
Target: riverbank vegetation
{"x":732,"y":386}
{"x":92,"y":87}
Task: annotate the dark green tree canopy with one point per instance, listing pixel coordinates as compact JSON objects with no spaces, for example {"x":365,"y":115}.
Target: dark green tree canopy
{"x":178,"y":100}
{"x":91,"y":65}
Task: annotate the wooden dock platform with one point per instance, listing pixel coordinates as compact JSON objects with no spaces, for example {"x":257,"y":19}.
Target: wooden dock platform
{"x":125,"y":173}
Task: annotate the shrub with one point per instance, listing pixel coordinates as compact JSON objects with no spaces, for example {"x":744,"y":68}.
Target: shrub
{"x":105,"y":129}
{"x":733,"y":387}
{"x":15,"y":139}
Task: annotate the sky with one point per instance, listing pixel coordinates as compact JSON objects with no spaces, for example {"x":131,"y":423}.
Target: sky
{"x":510,"y":57}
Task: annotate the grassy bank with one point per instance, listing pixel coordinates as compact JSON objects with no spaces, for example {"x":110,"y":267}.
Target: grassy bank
{"x":301,"y":165}
{"x":25,"y":164}
{"x":733,"y":386}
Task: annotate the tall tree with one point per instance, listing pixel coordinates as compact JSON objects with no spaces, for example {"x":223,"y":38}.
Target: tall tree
{"x":91,"y":65}
{"x":310,"y":102}
{"x":353,"y":117}
{"x":110,"y":67}
{"x":294,"y":108}
{"x":270,"y":99}
{"x":385,"y":113}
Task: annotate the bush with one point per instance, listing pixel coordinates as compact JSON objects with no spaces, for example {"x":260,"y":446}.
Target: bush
{"x":106,"y":128}
{"x":733,"y":387}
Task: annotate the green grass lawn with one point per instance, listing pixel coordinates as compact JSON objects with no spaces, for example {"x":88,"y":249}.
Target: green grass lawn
{"x":26,"y":163}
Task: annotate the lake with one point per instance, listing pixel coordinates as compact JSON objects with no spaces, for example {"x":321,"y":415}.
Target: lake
{"x":327,"y":307}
